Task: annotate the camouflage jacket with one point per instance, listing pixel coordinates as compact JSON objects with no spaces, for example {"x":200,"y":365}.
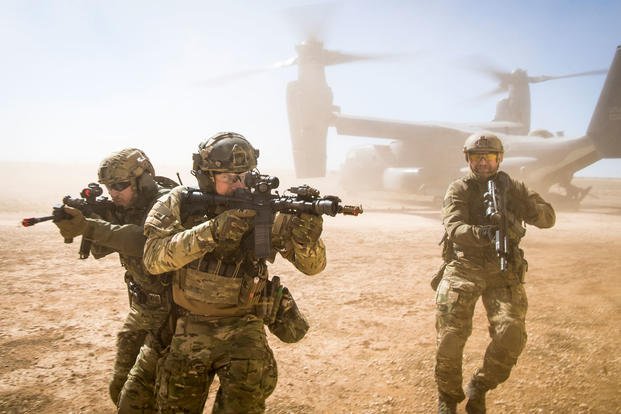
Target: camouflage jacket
{"x":185,"y":245}
{"x":463,"y":213}
{"x":121,"y":231}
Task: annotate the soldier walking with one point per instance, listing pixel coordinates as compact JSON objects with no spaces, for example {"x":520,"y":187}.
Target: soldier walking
{"x":472,"y":269}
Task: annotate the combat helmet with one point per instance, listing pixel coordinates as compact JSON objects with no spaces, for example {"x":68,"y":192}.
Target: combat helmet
{"x":224,"y":152}
{"x":128,"y":164}
{"x":483,"y":142}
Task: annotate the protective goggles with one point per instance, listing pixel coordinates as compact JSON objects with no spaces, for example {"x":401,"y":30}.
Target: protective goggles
{"x":478,"y":156}
{"x":120,"y":186}
{"x":231,"y":178}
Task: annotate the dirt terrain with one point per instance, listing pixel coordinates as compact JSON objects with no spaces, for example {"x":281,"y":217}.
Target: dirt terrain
{"x":371,"y":344}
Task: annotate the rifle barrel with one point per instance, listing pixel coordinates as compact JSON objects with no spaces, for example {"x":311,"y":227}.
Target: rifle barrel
{"x":351,"y":210}
{"x":31,"y":221}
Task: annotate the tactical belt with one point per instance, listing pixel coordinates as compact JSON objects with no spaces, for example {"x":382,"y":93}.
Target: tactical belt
{"x":140,"y":296}
{"x":192,"y":317}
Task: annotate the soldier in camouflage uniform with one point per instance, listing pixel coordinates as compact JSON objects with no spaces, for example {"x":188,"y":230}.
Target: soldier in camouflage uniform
{"x":471,"y":270}
{"x":129,"y":178}
{"x":217,"y":283}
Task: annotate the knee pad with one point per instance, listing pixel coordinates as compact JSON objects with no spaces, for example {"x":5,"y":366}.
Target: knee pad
{"x":512,"y":337}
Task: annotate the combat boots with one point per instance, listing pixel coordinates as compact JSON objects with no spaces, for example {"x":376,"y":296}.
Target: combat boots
{"x":476,"y":398}
{"x":446,"y":407}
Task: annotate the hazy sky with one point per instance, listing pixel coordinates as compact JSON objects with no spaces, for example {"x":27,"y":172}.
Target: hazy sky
{"x":80,"y":79}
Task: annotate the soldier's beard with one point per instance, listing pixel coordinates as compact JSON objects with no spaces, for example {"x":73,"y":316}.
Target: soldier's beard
{"x":484,"y":172}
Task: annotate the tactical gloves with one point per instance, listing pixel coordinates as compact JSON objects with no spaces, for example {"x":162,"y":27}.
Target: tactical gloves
{"x":306,"y":229}
{"x":231,"y":225}
{"x":73,"y":227}
{"x":485,"y":233}
{"x":527,"y":209}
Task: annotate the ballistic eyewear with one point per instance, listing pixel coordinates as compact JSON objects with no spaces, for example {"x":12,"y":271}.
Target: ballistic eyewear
{"x":232,"y":178}
{"x":478,"y":156}
{"x":120,"y":186}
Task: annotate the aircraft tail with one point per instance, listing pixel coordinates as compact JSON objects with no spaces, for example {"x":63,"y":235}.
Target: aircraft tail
{"x":605,"y":126}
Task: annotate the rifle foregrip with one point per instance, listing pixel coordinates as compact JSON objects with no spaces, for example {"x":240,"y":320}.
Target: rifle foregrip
{"x":85,"y":248}
{"x":262,"y":240}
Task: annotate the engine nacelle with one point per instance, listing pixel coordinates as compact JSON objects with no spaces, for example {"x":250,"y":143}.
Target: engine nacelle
{"x":402,"y":179}
{"x":364,"y":167}
{"x":310,"y":113}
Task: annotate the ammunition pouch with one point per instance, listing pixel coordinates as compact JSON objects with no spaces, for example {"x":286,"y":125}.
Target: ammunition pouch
{"x":220,"y":290}
{"x":217,"y":288}
{"x":286,"y":321}
{"x":209,"y":287}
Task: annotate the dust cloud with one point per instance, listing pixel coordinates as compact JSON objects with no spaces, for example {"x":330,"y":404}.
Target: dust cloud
{"x":371,"y":345}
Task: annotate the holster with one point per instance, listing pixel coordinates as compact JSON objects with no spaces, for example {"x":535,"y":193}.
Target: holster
{"x":448,"y":255}
{"x":437,"y":277}
{"x":520,"y":265}
{"x":138,"y":295}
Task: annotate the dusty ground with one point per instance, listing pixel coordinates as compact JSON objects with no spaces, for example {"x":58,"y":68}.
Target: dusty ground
{"x":371,"y":344}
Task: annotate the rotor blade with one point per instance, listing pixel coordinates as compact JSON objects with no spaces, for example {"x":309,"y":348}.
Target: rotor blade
{"x":496,"y":91}
{"x":543,"y":78}
{"x":334,"y":57}
{"x":483,"y":65}
{"x":484,"y":96}
{"x":311,"y":21}
{"x":230,"y":77}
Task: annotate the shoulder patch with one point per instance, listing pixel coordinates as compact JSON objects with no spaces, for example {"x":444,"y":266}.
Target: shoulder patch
{"x":159,"y":217}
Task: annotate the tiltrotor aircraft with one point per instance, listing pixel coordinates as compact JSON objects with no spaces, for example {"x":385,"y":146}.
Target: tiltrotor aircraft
{"x":409,"y":162}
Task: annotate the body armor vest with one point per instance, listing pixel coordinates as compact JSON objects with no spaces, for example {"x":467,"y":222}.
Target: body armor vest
{"x":476,"y":206}
{"x":139,"y":281}
{"x":228,"y":281}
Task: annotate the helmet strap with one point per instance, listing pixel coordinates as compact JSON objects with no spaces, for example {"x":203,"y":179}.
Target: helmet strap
{"x":206,"y":180}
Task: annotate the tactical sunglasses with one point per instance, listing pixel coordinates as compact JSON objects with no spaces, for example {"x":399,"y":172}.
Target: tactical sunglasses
{"x":489,"y":156}
{"x":232,"y":178}
{"x":120,"y":186}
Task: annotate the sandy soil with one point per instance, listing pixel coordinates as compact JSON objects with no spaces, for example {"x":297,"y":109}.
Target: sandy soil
{"x":371,"y":344}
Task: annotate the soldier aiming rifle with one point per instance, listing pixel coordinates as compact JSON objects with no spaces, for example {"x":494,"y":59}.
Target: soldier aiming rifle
{"x":91,"y":204}
{"x":217,"y":241}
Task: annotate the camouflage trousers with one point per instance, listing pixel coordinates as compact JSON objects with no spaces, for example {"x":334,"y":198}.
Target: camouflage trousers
{"x":234,"y":348}
{"x":505,"y":303}
{"x":140,"y":321}
{"x":138,"y":393}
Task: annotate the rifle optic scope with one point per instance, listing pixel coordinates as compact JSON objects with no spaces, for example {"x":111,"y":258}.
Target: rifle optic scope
{"x":261,"y":183}
{"x":91,"y":192}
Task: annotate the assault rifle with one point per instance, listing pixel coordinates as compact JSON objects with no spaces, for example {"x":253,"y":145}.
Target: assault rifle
{"x":495,"y":212}
{"x":258,"y":196}
{"x":90,"y":203}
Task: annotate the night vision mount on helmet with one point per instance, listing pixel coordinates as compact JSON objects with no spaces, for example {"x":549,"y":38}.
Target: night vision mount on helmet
{"x":225,"y":152}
